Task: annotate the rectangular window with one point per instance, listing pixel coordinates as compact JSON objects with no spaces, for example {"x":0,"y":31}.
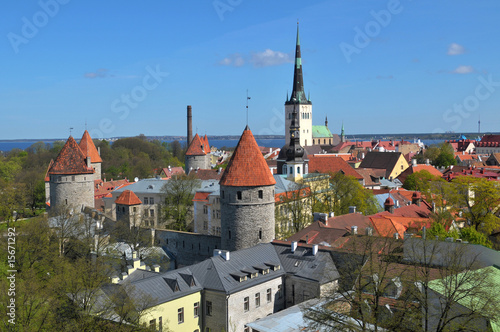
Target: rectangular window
{"x":160,"y":324}
{"x":180,"y":315}
{"x":151,"y":213}
{"x":209,"y":308}
{"x":246,"y":304}
{"x":257,"y":300}
{"x":238,"y":195}
{"x":261,"y":194}
{"x":205,"y":225}
{"x":152,"y":324}
{"x":196,"y":309}
{"x":280,"y":292}
{"x":146,"y":200}
{"x":205,"y":209}
{"x":151,"y":200}
{"x":269,"y":295}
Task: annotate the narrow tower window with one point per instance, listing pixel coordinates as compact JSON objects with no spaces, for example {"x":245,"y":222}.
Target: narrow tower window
{"x":238,"y":195}
{"x":260,"y":233}
{"x":261,"y":194}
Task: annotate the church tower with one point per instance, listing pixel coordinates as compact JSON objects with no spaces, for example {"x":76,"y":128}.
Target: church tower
{"x":299,"y":100}
{"x":295,"y":152}
{"x":247,"y":197}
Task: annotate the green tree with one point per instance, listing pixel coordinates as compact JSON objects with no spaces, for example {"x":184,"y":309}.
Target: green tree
{"x":177,"y":206}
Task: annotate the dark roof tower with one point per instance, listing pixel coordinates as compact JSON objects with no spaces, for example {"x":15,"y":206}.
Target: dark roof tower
{"x":298,"y":95}
{"x":295,"y":152}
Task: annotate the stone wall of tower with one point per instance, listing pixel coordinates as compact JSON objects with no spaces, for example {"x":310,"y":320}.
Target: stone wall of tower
{"x":304,"y":117}
{"x":203,"y":162}
{"x":97,"y":170}
{"x":72,"y":191}
{"x":248,"y":221}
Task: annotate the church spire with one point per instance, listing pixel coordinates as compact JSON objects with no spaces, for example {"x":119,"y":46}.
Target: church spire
{"x":342,"y":135}
{"x":295,"y":152}
{"x":298,"y":95}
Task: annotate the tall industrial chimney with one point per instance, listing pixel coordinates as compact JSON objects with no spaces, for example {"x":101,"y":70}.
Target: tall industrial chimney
{"x":189,"y":125}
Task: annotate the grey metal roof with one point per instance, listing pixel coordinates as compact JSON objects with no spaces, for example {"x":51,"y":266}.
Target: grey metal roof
{"x":303,"y":264}
{"x":153,"y":186}
{"x":158,"y":286}
{"x":283,"y":185}
{"x":217,"y":274}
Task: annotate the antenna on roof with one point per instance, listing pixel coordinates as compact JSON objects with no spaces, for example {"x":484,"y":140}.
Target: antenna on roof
{"x":248,"y":98}
{"x":70,"y":129}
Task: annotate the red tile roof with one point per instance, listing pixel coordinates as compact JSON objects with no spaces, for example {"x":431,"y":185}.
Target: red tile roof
{"x":70,"y":160}
{"x":101,"y":188}
{"x":198,"y":147}
{"x":200,"y":197}
{"x":128,"y":198}
{"x":489,"y":140}
{"x":418,"y":168}
{"x":317,"y":233}
{"x":247,"y":166}
{"x":331,"y":164}
{"x":386,"y":227}
{"x":207,"y":174}
{"x":88,"y":148}
{"x":206,"y":146}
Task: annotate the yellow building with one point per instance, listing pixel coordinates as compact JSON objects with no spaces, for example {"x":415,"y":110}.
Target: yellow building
{"x":393,"y":163}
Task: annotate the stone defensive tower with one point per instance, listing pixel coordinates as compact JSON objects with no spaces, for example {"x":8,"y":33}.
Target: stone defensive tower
{"x":89,"y":150}
{"x":198,"y":154}
{"x":247,"y":197}
{"x":71,"y":179}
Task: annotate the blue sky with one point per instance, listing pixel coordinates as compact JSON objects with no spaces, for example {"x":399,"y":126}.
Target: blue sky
{"x":132,"y":67}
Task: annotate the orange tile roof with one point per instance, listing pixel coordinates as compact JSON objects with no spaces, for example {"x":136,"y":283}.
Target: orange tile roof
{"x":197,"y":147}
{"x":88,"y":148}
{"x":206,"y":146}
{"x":128,"y":198}
{"x":386,"y":227}
{"x":70,"y":160}
{"x":331,"y":164}
{"x":201,"y":197}
{"x":247,"y":167}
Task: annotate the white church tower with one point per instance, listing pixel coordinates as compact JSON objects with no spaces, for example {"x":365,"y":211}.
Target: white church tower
{"x":300,"y":102}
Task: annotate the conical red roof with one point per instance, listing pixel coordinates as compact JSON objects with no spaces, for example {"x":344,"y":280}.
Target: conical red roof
{"x":70,"y":160}
{"x":197,"y":147}
{"x":247,"y":167}
{"x":128,"y":197}
{"x":88,"y":148}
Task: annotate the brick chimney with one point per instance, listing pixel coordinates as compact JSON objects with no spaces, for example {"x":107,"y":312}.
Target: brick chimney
{"x":189,"y":125}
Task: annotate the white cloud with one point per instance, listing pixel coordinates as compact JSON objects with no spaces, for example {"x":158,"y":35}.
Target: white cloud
{"x":455,"y":49}
{"x":270,"y":58}
{"x":99,"y":73}
{"x":235,"y":60}
{"x":463,"y":70}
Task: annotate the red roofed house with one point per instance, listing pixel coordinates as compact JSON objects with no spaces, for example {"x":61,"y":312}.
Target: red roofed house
{"x":414,"y":168}
{"x":488,"y":144}
{"x":331,"y":164}
{"x":71,"y":178}
{"x":198,"y":154}
{"x":128,"y":206}
{"x":247,"y":197}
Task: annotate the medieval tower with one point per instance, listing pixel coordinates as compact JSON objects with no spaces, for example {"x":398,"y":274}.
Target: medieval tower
{"x":299,"y":101}
{"x":247,"y":197}
{"x":71,"y":178}
{"x":89,"y":150}
{"x":198,"y":154}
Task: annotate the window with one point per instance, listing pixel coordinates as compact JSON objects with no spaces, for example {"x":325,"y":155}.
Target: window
{"x":260,"y":233}
{"x":151,"y":213}
{"x":152,"y":324}
{"x":280,"y":292}
{"x":135,"y":209}
{"x":246,"y":304}
{"x":257,"y":300}
{"x":151,"y":200}
{"x":205,"y":209}
{"x":269,"y":295}
{"x":196,"y":309}
{"x":73,"y":178}
{"x":238,"y":195}
{"x":209,"y":308}
{"x":160,"y":324}
{"x":180,"y":315}
{"x":146,"y":200}
{"x":261,"y":194}
{"x":222,"y":193}
{"x":205,"y":224}
{"x":229,"y":233}
{"x":247,"y":329}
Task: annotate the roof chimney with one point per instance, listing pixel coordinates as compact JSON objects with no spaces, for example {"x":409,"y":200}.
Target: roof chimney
{"x":352,"y":209}
{"x":414,"y":162}
{"x":315,"y":249}
{"x":294,"y":246}
{"x":354,"y":230}
{"x":189,"y":125}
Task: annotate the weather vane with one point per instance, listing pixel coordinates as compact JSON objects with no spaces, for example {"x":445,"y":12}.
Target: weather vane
{"x":70,"y":129}
{"x":248,"y":98}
